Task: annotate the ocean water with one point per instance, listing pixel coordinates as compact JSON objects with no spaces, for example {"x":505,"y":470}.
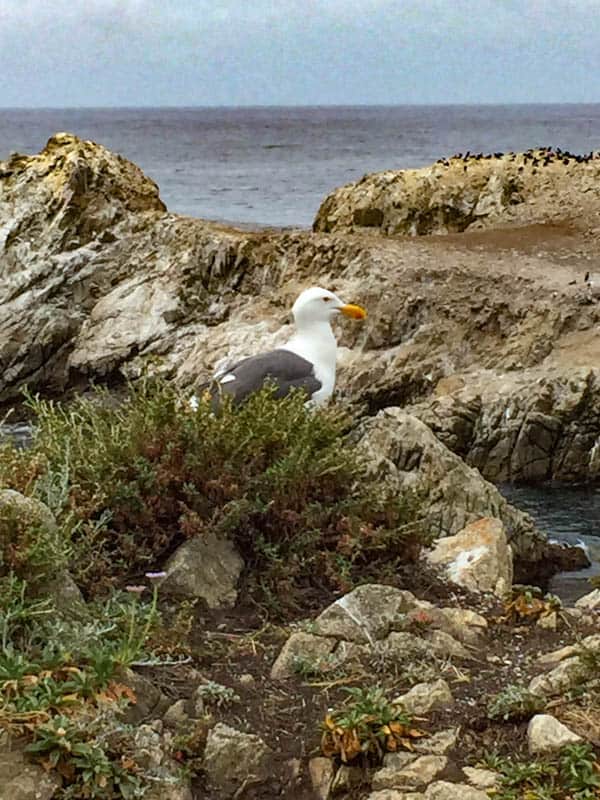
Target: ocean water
{"x":273,"y":166}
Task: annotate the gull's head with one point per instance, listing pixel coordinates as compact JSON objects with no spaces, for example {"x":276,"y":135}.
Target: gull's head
{"x":320,"y":305}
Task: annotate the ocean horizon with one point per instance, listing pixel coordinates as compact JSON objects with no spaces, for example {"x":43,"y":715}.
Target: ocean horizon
{"x":273,"y":165}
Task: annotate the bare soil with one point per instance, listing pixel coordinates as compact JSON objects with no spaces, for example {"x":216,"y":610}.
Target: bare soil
{"x":237,"y":648}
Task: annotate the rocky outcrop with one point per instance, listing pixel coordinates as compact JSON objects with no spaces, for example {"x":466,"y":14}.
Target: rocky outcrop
{"x":523,"y":426}
{"x":403,"y":452}
{"x":460,"y":193}
{"x":498,"y":353}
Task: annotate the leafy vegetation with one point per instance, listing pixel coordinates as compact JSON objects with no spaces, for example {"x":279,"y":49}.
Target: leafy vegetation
{"x":515,"y":703}
{"x":573,"y":775}
{"x":131,"y":482}
{"x":367,"y":725}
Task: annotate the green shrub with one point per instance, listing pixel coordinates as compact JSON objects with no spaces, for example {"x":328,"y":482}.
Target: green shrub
{"x":281,"y":480}
{"x":515,"y":702}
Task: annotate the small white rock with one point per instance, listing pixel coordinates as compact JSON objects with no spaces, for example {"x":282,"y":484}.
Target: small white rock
{"x":546,"y":735}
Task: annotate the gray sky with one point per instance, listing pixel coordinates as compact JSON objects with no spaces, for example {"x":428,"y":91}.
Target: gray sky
{"x":297,"y":52}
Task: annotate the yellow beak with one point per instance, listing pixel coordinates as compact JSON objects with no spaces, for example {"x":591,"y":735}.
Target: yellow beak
{"x":354,"y":312}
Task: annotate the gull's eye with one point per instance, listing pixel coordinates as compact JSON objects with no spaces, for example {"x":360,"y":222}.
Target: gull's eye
{"x":326,"y":299}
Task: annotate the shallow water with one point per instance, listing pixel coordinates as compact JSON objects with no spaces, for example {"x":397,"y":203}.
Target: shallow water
{"x":274,"y":166}
{"x":567,"y":514}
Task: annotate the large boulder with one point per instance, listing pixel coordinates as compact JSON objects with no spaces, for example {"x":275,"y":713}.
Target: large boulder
{"x":526,"y":425}
{"x":404,"y":453}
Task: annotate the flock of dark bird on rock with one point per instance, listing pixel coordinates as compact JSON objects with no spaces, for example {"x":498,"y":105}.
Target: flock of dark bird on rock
{"x":541,"y":156}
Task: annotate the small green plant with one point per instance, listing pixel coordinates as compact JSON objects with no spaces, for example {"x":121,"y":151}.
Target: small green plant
{"x":573,"y":775}
{"x":515,"y":702}
{"x":580,"y":772}
{"x":91,"y":766}
{"x":368,"y":725}
{"x":309,"y":668}
{"x":217,"y":694}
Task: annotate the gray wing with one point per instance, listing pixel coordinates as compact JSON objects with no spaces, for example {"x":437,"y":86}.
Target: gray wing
{"x":285,"y":370}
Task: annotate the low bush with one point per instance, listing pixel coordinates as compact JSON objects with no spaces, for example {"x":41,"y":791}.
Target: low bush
{"x":281,"y":480}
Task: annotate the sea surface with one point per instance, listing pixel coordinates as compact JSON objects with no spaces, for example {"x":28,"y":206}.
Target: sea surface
{"x":273,"y":166}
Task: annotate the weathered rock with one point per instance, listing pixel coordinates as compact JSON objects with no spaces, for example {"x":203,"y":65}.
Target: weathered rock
{"x":478,"y":557}
{"x":589,"y":601}
{"x":22,"y":780}
{"x":525,"y":424}
{"x":439,"y":743}
{"x":149,"y":700}
{"x":481,"y":778}
{"x":568,"y":673}
{"x":232,"y":758}
{"x":497,"y":354}
{"x":346,"y":779}
{"x":546,"y":735}
{"x":321,"y":771}
{"x":418,"y":773}
{"x":464,"y":624}
{"x":455,"y":195}
{"x":176,"y":715}
{"x":170,"y":788}
{"x":302,"y":649}
{"x":405,"y":454}
{"x":395,"y":794}
{"x":444,"y":790}
{"x":205,"y":567}
{"x":65,"y":595}
{"x":365,"y":614}
{"x":425,"y":697}
{"x":445,"y":645}
{"x":399,"y":759}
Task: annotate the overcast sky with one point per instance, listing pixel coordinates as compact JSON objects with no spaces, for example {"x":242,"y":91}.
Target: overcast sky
{"x":297,"y":52}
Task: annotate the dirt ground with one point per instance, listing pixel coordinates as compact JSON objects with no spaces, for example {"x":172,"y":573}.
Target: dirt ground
{"x":237,"y":648}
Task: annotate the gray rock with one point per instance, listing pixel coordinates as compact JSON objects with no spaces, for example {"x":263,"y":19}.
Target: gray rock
{"x":481,"y":778}
{"x":302,"y":648}
{"x":205,"y":567}
{"x":418,"y":773}
{"x":444,"y":790}
{"x":364,"y":615}
{"x":567,"y":674}
{"x":322,"y":772}
{"x":439,"y":743}
{"x":176,"y":716}
{"x":547,"y":736}
{"x":446,"y":646}
{"x":395,"y":794}
{"x":22,"y":780}
{"x":405,"y":454}
{"x":150,"y":701}
{"x":589,"y":601}
{"x":232,"y":758}
{"x":425,"y":697}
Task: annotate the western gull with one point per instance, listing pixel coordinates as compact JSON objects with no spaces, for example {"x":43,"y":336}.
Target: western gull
{"x":307,"y":361}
